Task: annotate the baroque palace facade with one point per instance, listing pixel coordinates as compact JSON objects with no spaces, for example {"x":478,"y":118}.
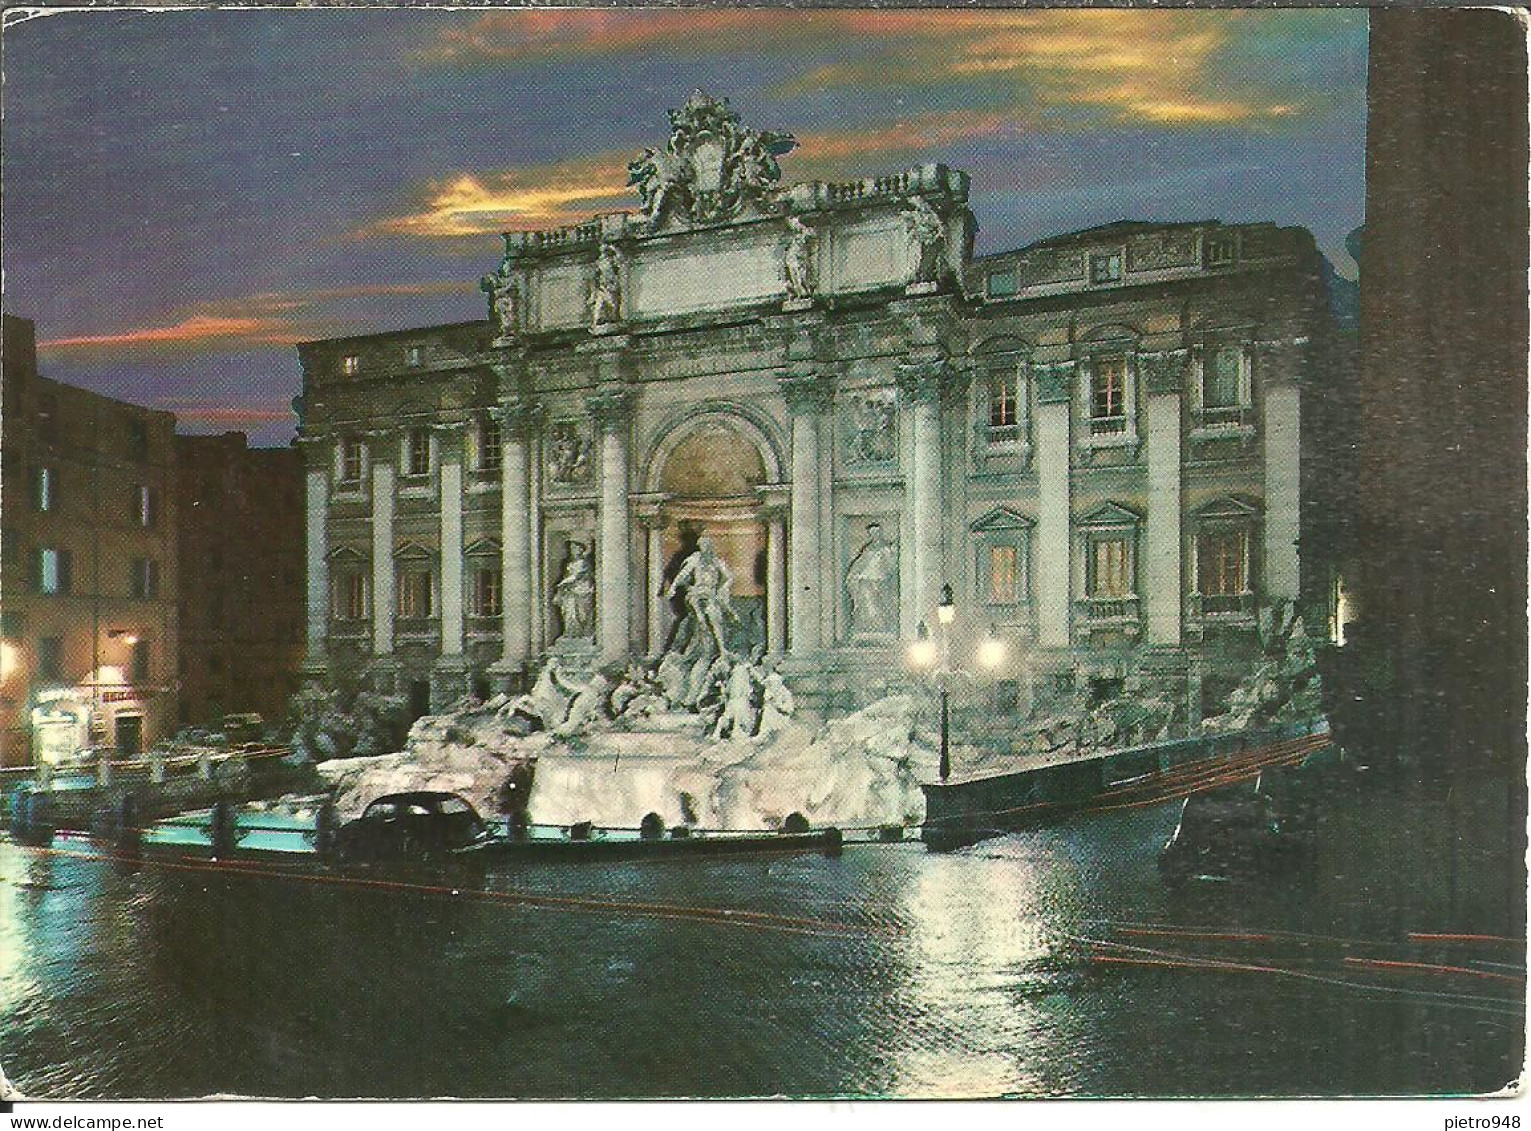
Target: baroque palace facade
{"x":1117,"y":447}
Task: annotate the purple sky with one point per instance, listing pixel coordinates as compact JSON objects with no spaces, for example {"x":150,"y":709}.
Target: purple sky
{"x":189,"y":193}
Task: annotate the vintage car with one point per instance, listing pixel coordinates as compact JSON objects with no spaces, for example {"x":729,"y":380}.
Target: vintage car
{"x":420,"y":825}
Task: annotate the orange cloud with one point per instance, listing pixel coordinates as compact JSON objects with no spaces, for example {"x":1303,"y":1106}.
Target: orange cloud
{"x":546,"y":195}
{"x":192,"y":329}
{"x":270,"y":318}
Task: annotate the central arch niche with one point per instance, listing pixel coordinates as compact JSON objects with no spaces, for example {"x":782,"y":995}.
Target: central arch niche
{"x":709,"y":473}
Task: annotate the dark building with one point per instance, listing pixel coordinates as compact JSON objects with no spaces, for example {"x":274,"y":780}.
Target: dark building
{"x":241,"y":592}
{"x":87,"y":567}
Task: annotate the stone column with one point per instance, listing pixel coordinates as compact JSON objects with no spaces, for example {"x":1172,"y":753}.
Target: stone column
{"x":611,"y":407}
{"x":451,"y":543}
{"x":1164,"y":380}
{"x":316,"y":516}
{"x":809,"y":393}
{"x":449,"y":676}
{"x":518,"y":417}
{"x":1280,"y":433}
{"x":776,"y":582}
{"x":651,"y":517}
{"x":1053,"y":525}
{"x":383,"y":602}
{"x":919,"y":387}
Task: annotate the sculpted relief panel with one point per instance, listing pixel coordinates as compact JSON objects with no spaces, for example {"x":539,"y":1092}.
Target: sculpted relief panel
{"x":870,"y":430}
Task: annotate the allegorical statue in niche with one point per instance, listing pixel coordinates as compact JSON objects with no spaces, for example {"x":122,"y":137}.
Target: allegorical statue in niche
{"x":504,"y":303}
{"x":574,"y":595}
{"x":708,"y":583}
{"x":927,"y":241}
{"x":797,"y":258}
{"x":606,"y":287}
{"x":872,"y":583}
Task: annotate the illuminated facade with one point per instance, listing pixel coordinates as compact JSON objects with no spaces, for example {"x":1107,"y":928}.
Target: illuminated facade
{"x":1117,"y":446}
{"x":87,"y":567}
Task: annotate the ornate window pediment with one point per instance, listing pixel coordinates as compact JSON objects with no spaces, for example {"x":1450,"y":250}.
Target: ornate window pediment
{"x":414,"y":552}
{"x":482,"y":548}
{"x":1001,"y":520}
{"x":1230,"y":508}
{"x":345,"y":556}
{"x":1109,"y":515}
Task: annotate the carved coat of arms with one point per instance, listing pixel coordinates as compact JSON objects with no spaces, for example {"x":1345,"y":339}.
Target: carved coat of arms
{"x":712,"y":167}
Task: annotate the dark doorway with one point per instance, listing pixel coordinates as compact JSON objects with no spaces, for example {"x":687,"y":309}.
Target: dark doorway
{"x":130,"y":736}
{"x":419,"y":698}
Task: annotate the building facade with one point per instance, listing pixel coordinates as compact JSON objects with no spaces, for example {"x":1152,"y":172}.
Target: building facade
{"x":1104,"y":443}
{"x":240,"y":534}
{"x":88,"y":567}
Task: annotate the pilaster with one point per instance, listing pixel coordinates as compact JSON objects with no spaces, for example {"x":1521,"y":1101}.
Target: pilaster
{"x":1054,"y":396}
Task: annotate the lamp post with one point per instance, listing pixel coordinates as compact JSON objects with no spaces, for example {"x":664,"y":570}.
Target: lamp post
{"x":936,"y":656}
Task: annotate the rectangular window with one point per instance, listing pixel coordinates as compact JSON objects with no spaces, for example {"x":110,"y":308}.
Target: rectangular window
{"x":45,"y":488}
{"x":51,"y":570}
{"x":490,"y":448}
{"x":350,"y":365}
{"x":146,"y":505}
{"x":138,"y":440}
{"x":1217,"y":253}
{"x":140,"y":661}
{"x":1004,"y":575}
{"x":50,"y":658}
{"x":414,"y":594}
{"x":1001,"y":284}
{"x":1106,"y":268}
{"x":1004,"y":404}
{"x":1109,"y":569}
{"x":349,"y":598}
{"x":412,"y":356}
{"x":1108,"y":395}
{"x":144,"y":581}
{"x":486,"y":593}
{"x":48,"y":418}
{"x":350,"y":461}
{"x":1222,"y":561}
{"x":1222,"y":384}
{"x":419,"y":461}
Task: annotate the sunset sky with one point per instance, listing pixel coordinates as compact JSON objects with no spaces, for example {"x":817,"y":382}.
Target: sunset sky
{"x":189,"y":193}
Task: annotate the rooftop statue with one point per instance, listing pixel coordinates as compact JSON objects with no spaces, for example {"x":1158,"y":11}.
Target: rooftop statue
{"x":712,"y":167}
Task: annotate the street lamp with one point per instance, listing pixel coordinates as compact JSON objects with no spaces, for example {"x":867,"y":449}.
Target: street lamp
{"x":926,"y":653}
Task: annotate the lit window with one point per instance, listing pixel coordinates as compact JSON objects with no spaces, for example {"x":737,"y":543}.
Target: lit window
{"x":348,"y":599}
{"x":1004,"y":406}
{"x":51,"y":569}
{"x":486,"y":593}
{"x":1108,"y":571}
{"x":414,"y":594}
{"x":412,"y":355}
{"x":489,"y":445}
{"x":45,"y":488}
{"x":1106,"y":268}
{"x":350,"y":461}
{"x":146,"y":504}
{"x":419,"y":452}
{"x":1004,"y":575}
{"x":1222,"y":563}
{"x":1108,"y":395}
{"x":350,"y":365}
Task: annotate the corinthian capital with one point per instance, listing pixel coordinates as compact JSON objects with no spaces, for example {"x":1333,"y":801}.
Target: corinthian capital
{"x":610,"y":407}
